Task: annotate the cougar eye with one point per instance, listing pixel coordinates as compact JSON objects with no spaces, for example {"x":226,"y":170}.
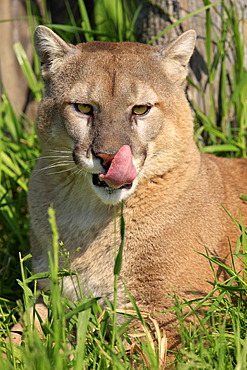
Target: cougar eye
{"x":140,"y":110}
{"x":84,"y":108}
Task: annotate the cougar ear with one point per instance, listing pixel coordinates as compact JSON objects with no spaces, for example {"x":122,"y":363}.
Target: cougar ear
{"x":177,"y":55}
{"x":51,"y":50}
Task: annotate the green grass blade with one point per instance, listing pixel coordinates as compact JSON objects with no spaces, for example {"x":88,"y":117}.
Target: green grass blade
{"x":27,"y":70}
{"x":85,"y":20}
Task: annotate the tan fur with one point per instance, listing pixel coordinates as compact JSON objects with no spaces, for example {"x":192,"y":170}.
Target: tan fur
{"x":174,"y":207}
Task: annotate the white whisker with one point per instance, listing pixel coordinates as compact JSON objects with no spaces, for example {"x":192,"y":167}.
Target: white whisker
{"x":75,"y":172}
{"x":54,"y":165}
{"x":59,"y":151}
{"x":57,"y":172}
{"x":61,"y":163}
{"x":66,"y":157}
{"x":56,"y":156}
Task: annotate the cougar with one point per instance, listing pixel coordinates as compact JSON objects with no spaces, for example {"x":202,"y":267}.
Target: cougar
{"x":115,"y":127}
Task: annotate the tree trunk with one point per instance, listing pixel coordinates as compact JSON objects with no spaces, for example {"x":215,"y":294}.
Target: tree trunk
{"x":14,"y":29}
{"x":157,"y":16}
{"x":11,"y":76}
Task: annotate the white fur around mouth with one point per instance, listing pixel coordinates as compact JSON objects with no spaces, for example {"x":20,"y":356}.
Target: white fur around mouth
{"x":102,"y":184}
{"x":109,"y":195}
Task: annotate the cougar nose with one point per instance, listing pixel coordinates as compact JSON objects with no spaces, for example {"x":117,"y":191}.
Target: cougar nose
{"x":105,"y":158}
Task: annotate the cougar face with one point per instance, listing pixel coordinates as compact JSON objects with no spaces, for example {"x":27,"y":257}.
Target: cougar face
{"x":100,"y":107}
{"x":108,"y":129}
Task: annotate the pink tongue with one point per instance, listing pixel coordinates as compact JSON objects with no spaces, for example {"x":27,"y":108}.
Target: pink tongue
{"x":121,"y":171}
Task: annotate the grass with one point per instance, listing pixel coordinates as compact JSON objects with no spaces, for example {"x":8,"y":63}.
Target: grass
{"x":224,"y":128}
{"x":219,"y":341}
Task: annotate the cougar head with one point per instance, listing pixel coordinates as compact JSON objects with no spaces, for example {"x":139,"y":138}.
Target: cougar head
{"x":116,"y":107}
